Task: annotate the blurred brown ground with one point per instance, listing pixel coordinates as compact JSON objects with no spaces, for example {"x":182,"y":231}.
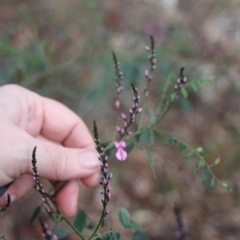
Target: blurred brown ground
{"x":62,"y":49}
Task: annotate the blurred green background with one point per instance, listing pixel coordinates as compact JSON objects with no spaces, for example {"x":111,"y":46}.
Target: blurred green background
{"x":62,"y":49}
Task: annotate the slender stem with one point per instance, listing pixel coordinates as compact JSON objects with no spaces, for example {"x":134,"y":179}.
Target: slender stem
{"x":99,"y":223}
{"x":73,"y":227}
{"x":163,"y":94}
{"x":115,"y":130}
{"x":162,"y":116}
{"x":142,"y":113}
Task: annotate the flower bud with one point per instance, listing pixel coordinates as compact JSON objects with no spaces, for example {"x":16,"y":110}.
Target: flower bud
{"x":117,"y":104}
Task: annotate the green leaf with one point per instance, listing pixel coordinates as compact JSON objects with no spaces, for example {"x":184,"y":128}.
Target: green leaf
{"x":200,"y":165}
{"x":152,"y":118}
{"x":226,"y":186}
{"x":181,"y":147}
{"x":172,"y":140}
{"x":206,"y":175}
{"x":116,"y":236}
{"x":216,"y":162}
{"x":194,"y":86}
{"x":80,"y":220}
{"x":199,"y":149}
{"x":150,"y":161}
{"x":159,"y":135}
{"x":35,"y":214}
{"x":188,"y":155}
{"x":205,"y":82}
{"x":145,"y":136}
{"x":151,"y":136}
{"x":124,"y":218}
{"x":172,"y":97}
{"x":185,"y":105}
{"x":140,"y":235}
{"x":184,"y":92}
{"x":130,"y":147}
{"x":111,"y":236}
{"x":137,"y":137}
{"x":212,"y":184}
{"x":149,"y":158}
{"x":91,"y":225}
{"x":134,"y":226}
{"x":60,"y":232}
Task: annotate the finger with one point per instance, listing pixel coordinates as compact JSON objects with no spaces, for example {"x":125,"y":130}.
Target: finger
{"x":19,"y":188}
{"x":92,"y":180}
{"x":61,"y":125}
{"x":67,"y":198}
{"x":54,"y":162}
{"x":39,"y":115}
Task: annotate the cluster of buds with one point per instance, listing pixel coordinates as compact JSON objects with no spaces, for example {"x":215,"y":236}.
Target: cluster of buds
{"x":47,"y":234}
{"x":106,"y":177}
{"x":119,"y":78}
{"x":181,"y":80}
{"x":4,"y":208}
{"x":132,"y":114}
{"x":153,"y":61}
{"x":181,"y":232}
{"x":39,"y":186}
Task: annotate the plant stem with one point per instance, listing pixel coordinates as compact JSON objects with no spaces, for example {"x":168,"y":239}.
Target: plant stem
{"x":163,"y":95}
{"x":73,"y":227}
{"x":99,"y":223}
{"x":142,"y":113}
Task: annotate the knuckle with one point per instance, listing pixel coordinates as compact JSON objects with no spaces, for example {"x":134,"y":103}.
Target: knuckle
{"x":61,"y":163}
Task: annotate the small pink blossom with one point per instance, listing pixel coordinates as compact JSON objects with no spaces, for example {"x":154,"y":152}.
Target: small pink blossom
{"x":121,"y":155}
{"x":146,"y":73}
{"x":147,"y":48}
{"x":123,"y":116}
{"x":117,"y":104}
{"x":120,"y":144}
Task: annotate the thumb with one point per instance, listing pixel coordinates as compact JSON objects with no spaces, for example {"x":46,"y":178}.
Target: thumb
{"x":56,"y":162}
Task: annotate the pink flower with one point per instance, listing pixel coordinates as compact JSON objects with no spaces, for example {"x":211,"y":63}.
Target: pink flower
{"x":123,"y":116}
{"x":121,"y":155}
{"x":117,"y":104}
{"x":146,"y":73}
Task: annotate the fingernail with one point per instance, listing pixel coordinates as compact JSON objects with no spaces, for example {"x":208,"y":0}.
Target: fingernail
{"x":89,"y":160}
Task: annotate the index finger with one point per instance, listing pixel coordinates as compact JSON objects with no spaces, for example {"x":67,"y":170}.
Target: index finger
{"x":38,"y":115}
{"x":62,"y":125}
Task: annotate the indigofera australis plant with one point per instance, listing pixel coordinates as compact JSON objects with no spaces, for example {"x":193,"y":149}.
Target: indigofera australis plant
{"x":125,"y":138}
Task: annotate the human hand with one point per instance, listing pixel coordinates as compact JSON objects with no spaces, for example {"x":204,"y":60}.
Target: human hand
{"x":65,"y":148}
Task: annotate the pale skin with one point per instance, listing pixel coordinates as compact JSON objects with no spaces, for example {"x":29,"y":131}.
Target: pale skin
{"x":65,"y":147}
